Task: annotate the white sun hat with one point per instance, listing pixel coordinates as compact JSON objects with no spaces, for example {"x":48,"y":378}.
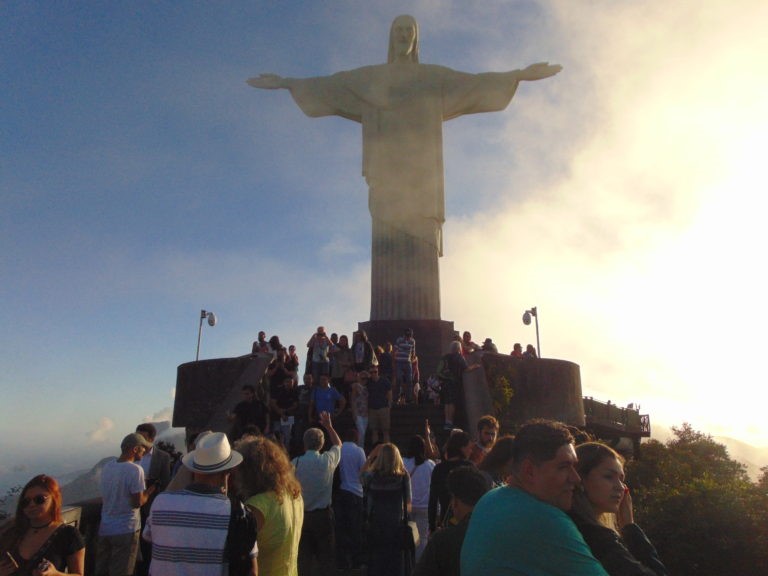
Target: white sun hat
{"x":212,"y":454}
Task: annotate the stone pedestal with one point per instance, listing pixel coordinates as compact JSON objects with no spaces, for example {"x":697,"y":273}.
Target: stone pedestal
{"x":432,"y":338}
{"x":541,"y":388}
{"x":207,"y":389}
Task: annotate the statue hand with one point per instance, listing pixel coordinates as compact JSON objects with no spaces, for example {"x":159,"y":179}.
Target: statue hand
{"x":267,"y":81}
{"x":539,"y":71}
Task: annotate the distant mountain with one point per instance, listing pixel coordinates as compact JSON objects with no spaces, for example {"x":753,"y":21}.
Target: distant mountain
{"x":753,"y":457}
{"x":86,"y":485}
{"x":75,"y":486}
{"x":82,"y":484}
{"x":70,"y":477}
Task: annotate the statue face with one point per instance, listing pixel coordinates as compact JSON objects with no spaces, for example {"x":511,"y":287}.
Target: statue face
{"x":403,"y":36}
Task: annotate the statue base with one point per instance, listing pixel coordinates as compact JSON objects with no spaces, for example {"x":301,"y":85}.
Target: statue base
{"x":432,"y":338}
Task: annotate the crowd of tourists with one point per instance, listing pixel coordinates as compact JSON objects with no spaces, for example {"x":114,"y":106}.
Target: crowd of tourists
{"x":366,"y":377}
{"x":291,"y":491}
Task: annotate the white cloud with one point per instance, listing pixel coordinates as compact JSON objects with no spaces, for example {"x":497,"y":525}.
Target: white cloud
{"x":164,"y":415}
{"x":101,"y":433}
{"x":340,"y":246}
{"x":641,"y":256}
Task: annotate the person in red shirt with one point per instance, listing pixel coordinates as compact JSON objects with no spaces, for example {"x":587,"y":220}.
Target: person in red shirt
{"x":467,"y":346}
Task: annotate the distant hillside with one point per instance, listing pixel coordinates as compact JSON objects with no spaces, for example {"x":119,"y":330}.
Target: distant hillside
{"x":753,"y":457}
{"x":85,"y":486}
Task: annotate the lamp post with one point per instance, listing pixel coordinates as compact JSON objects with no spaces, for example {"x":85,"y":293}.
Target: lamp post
{"x":211,"y":322}
{"x":527,"y":320}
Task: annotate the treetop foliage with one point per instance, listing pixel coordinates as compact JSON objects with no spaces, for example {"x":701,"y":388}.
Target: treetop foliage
{"x":699,"y":507}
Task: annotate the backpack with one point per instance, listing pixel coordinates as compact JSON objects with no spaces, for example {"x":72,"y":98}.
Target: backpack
{"x":443,"y":370}
{"x":241,"y":537}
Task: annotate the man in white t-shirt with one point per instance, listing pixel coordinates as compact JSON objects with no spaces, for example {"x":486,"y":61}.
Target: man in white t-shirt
{"x":122,"y":493}
{"x":314,"y":471}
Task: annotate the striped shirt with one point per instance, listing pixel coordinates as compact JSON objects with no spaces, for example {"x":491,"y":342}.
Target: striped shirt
{"x":188,"y":531}
{"x":405,"y":349}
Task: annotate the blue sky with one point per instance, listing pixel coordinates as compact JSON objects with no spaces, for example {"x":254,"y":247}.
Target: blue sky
{"x":142,"y":180}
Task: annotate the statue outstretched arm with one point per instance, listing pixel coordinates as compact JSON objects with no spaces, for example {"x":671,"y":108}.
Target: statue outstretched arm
{"x":318,"y":96}
{"x":512,"y":79}
{"x":538,"y":71}
{"x":269,"y":82}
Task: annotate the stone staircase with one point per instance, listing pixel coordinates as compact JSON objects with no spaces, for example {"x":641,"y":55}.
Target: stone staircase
{"x":409,"y":420}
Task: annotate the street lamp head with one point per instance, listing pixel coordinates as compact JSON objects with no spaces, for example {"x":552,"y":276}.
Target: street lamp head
{"x":527,"y":321}
{"x":211,"y":322}
{"x":527,"y":318}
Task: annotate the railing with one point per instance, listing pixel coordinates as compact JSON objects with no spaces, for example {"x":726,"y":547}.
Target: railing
{"x":608,"y":415}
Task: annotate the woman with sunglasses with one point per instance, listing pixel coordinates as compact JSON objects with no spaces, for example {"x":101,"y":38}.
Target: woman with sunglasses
{"x":39,"y":543}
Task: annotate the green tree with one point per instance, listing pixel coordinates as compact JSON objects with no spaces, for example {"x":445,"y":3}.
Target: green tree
{"x":170,"y":448}
{"x":498,"y":376}
{"x":762,"y":482}
{"x":699,"y":507}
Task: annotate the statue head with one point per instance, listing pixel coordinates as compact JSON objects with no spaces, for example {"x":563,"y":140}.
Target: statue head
{"x":404,"y":39}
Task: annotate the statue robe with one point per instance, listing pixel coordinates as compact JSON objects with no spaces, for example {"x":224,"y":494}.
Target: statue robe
{"x":401,"y":107}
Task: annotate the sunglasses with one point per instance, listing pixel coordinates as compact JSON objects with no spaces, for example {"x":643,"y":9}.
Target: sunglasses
{"x":39,"y":499}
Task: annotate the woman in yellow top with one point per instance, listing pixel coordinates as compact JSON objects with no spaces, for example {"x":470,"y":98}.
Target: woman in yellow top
{"x":272,"y":494}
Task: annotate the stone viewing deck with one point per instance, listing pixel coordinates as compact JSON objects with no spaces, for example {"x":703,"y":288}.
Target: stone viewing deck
{"x":512,"y":389}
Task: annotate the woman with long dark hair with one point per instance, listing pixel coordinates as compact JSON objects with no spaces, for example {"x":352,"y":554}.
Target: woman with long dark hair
{"x":39,"y":543}
{"x":602,"y":510}
{"x":457,"y":451}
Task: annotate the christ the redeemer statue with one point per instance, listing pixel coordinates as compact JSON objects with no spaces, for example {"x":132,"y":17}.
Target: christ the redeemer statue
{"x":402,"y":106}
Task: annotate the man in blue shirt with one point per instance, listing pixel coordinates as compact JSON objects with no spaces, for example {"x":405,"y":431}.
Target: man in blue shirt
{"x":348,"y":503}
{"x":325,"y":398}
{"x":522,"y":529}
